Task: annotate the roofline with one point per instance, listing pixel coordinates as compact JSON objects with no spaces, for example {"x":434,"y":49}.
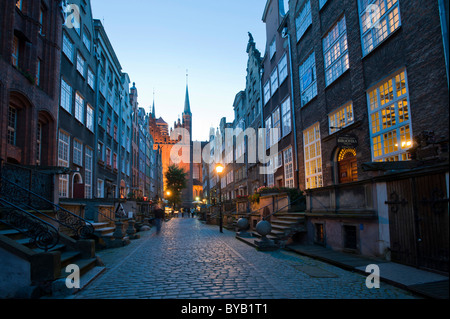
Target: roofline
{"x":265,"y":10}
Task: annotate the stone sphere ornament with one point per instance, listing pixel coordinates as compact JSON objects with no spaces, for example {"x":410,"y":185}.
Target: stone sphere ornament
{"x":242,"y":223}
{"x":263,"y":228}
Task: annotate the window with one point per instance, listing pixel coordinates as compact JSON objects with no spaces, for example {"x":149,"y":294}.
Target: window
{"x":313,"y":157}
{"x":80,"y":64}
{"x":88,"y":173}
{"x":67,"y":47}
{"x":378,"y":19}
{"x":108,"y":126}
{"x":389,"y":118}
{"x":90,"y":118}
{"x":276,"y":125}
{"x":63,"y":161}
{"x":335,"y":51}
{"x":286,"y":117}
{"x":79,"y":108}
{"x":100,"y":188}
{"x":77,"y":153}
{"x":288,"y":168}
{"x":91,"y":78}
{"x":15,"y":52}
{"x":38,"y":143}
{"x":115,"y":161}
{"x":268,"y":135}
{"x":66,"y":96}
{"x":63,"y":150}
{"x":38,"y":73}
{"x":341,"y":118}
{"x":41,"y":21}
{"x":115,"y":132}
{"x":308,"y":79}
{"x":100,"y":151}
{"x":304,"y":20}
{"x":266,"y":92}
{"x":87,"y":39}
{"x":282,"y":68}
{"x":108,"y":156}
{"x":273,"y":48}
{"x":12,"y":125}
{"x":274,"y":81}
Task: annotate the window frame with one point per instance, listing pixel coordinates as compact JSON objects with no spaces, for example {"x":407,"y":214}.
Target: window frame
{"x":381,"y":124}
{"x":336,"y":42}
{"x":316,"y":160}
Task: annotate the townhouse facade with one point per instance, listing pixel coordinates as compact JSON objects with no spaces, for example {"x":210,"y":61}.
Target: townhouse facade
{"x":30,"y":74}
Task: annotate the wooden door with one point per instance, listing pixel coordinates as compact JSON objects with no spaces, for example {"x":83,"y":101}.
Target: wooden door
{"x":348,"y":166}
{"x":419,"y":221}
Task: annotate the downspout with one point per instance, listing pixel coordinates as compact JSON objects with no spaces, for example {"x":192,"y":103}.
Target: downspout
{"x":444,"y":30}
{"x":286,"y":34}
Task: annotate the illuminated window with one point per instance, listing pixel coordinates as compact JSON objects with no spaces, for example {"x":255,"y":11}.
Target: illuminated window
{"x":341,"y":118}
{"x":378,"y":18}
{"x":335,"y":51}
{"x":313,"y":157}
{"x":288,"y":168}
{"x":19,"y":4}
{"x":390,"y":120}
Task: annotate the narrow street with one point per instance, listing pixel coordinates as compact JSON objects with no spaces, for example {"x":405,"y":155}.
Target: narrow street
{"x":191,"y":260}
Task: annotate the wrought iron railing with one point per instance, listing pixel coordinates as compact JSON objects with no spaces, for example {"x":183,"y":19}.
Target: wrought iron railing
{"x":16,"y":194}
{"x":42,"y":234}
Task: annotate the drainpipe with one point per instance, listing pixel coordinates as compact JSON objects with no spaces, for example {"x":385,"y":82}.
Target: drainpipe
{"x":285,"y":35}
{"x":261,"y":95}
{"x":444,"y":30}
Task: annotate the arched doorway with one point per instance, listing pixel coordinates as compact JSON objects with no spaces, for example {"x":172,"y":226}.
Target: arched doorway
{"x":347,"y":166}
{"x":78,"y":186}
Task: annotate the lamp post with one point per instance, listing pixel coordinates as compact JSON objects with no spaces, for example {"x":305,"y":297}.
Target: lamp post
{"x":219,"y":170}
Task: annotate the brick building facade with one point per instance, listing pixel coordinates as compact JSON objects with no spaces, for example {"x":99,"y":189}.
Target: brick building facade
{"x":29,"y":81}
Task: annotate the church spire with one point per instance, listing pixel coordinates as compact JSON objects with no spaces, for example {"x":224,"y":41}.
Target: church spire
{"x":153,"y":108}
{"x":187,"y":106}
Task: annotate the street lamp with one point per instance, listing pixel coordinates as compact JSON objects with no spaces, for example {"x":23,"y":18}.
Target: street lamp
{"x":219,"y":170}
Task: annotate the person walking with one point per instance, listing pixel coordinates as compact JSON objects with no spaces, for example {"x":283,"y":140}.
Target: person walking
{"x":159,"y":217}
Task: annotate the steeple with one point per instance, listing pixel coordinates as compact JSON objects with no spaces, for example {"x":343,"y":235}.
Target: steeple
{"x":153,"y":108}
{"x":187,"y":105}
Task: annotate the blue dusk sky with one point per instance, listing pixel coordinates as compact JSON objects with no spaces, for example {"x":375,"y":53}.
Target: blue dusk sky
{"x":156,"y":41}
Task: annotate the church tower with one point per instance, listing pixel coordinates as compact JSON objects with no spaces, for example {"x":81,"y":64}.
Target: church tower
{"x":187,"y":124}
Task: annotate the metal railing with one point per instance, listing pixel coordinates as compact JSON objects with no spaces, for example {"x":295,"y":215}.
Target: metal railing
{"x":15,"y":193}
{"x":42,"y":234}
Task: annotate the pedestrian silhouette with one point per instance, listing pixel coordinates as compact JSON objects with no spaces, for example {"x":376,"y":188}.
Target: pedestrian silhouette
{"x":159,"y":218}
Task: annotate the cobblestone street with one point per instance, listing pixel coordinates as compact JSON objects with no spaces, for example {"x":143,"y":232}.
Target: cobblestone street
{"x":190,"y":260}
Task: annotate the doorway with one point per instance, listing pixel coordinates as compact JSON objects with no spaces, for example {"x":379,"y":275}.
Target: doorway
{"x":348,"y":166}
